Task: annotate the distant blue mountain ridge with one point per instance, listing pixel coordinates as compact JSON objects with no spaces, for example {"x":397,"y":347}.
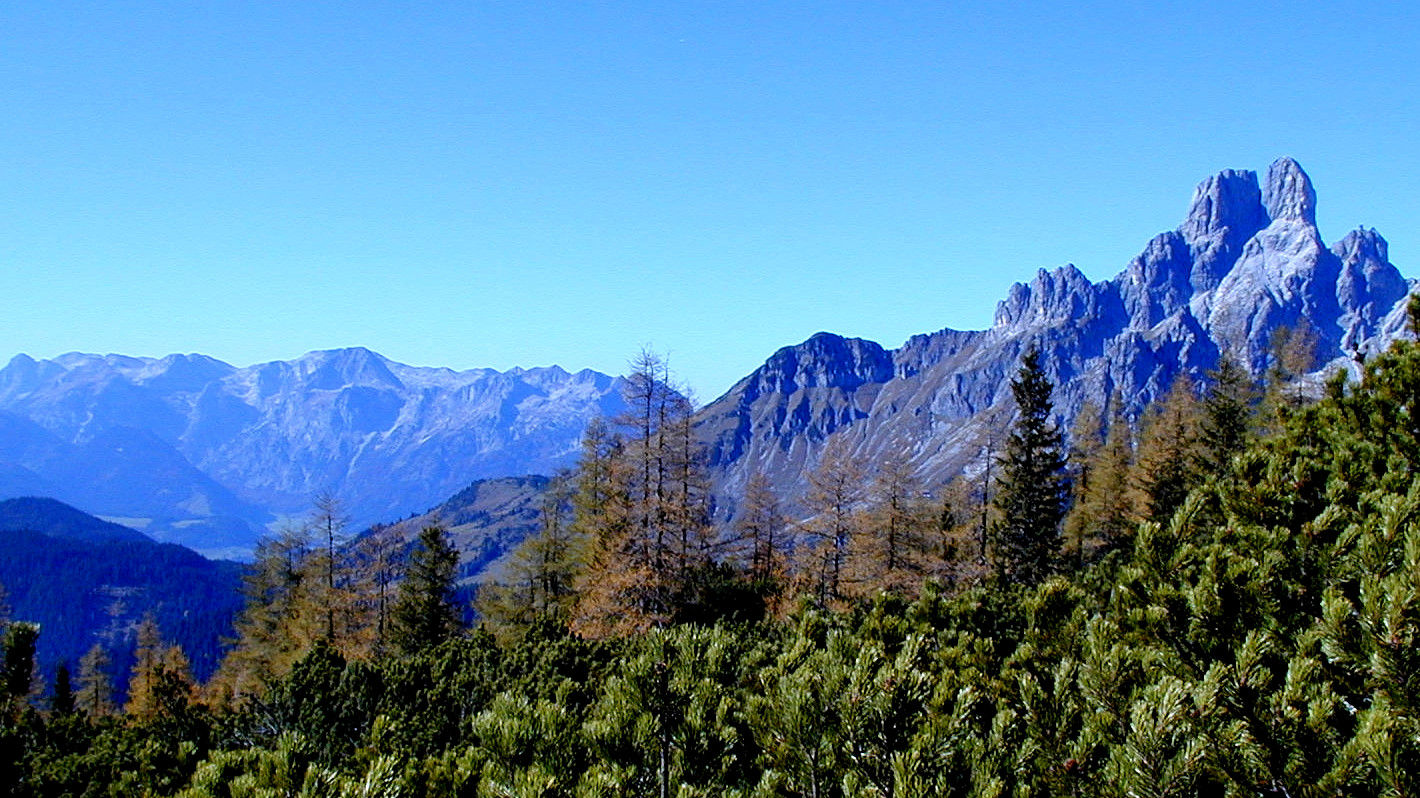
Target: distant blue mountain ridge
{"x":193,"y":450}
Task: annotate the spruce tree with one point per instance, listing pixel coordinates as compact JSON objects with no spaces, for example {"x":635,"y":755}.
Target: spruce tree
{"x":424,"y":613}
{"x":1033,"y":487}
{"x":63,"y":700}
{"x":1227,"y":411}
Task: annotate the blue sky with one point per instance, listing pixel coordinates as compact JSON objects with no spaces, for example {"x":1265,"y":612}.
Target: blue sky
{"x":517,"y":183}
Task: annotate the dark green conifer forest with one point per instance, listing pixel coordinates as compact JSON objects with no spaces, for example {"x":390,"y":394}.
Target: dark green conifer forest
{"x":1239,"y":619}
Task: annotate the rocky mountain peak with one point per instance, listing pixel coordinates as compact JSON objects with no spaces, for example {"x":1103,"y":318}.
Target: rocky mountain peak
{"x":1246,"y":262}
{"x":826,"y":360}
{"x":1362,"y":245}
{"x":333,"y":369}
{"x":207,"y":453}
{"x":1368,"y":287}
{"x":1288,"y":193}
{"x":1226,"y":211}
{"x":1057,"y":296}
{"x":1229,"y":200}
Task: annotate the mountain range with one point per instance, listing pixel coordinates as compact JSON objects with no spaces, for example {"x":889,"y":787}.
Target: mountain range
{"x":194,"y":450}
{"x":1246,"y":262}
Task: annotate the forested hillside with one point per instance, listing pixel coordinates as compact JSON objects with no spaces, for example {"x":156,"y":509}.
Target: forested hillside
{"x":89,"y":584}
{"x":1225,"y":602}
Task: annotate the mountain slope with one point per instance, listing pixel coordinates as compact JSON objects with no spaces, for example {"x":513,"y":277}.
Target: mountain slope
{"x":485,"y":521}
{"x":1247,"y":261}
{"x":58,"y":520}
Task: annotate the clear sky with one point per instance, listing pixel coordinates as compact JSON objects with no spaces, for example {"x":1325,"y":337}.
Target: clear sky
{"x":500,"y":183}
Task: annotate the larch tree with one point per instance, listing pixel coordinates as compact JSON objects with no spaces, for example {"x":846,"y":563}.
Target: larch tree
{"x":338,"y":599}
{"x":1102,"y":453}
{"x":688,"y":510}
{"x":892,"y":551}
{"x":1167,"y":463}
{"x":649,"y":526}
{"x":602,"y":515}
{"x":95,"y":696}
{"x":834,"y":506}
{"x":379,"y":563}
{"x":1033,"y":487}
{"x":989,"y":438}
{"x":760,"y":532}
{"x":540,"y":577}
{"x":156,"y":666}
{"x":954,"y":548}
{"x":1292,"y":354}
{"x":283,"y":616}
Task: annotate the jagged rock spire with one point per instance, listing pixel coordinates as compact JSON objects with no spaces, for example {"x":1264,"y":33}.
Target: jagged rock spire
{"x":1225,"y":212}
{"x":1288,"y":192}
{"x":1229,"y":200}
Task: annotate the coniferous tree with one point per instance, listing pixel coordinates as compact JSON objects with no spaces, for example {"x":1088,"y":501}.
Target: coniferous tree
{"x":836,"y":492}
{"x":95,"y":696}
{"x":379,"y":553}
{"x":282,"y":618}
{"x":607,"y":602}
{"x":1033,"y":487}
{"x":1227,"y":411}
{"x":990,"y":437}
{"x":327,"y":522}
{"x":158,"y":669}
{"x":424,"y":612}
{"x":649,"y":528}
{"x":539,"y":580}
{"x":1103,"y":511}
{"x":21,"y":637}
{"x":892,"y":553}
{"x":63,"y":700}
{"x":147,"y":654}
{"x":1291,"y":356}
{"x":760,"y":531}
{"x":954,"y":545}
{"x":1169,"y":453}
{"x":1087,"y":436}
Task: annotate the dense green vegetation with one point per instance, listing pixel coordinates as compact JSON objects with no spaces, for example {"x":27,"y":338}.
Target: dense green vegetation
{"x":1257,"y":639}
